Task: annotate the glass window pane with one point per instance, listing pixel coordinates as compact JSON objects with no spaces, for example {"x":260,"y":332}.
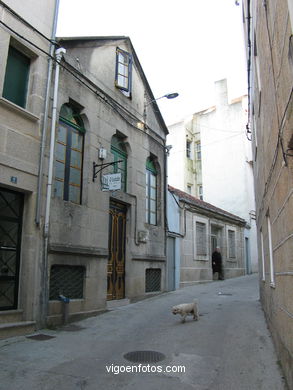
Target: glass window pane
{"x":153,"y":219}
{"x":76,"y":140}
{"x":153,"y":205}
{"x":60,"y":152}
{"x":58,"y":188}
{"x":75,"y":159}
{"x":62,"y":132}
{"x":74,"y":194}
{"x":153,"y":180}
{"x":75,"y":176}
{"x":153,"y":193}
{"x":59,"y":170}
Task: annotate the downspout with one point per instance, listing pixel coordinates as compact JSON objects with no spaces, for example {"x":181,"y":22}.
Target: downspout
{"x":45,"y":118}
{"x":44,"y":282}
{"x":166,"y":155}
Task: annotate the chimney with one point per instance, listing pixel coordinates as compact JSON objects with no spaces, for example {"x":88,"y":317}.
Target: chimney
{"x":221,"y":93}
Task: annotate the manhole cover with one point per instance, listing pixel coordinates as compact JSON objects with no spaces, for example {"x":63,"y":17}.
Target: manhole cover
{"x":40,"y":337}
{"x":144,"y":356}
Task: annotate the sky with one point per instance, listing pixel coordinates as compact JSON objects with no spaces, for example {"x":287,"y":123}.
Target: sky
{"x":183,"y":46}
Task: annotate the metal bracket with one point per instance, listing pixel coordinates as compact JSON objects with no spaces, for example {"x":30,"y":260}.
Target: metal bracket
{"x":103,"y":166}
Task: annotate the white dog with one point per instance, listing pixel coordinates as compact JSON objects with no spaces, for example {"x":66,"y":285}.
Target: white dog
{"x":186,"y":309}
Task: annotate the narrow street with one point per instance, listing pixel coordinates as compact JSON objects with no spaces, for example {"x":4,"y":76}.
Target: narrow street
{"x":229,"y":348}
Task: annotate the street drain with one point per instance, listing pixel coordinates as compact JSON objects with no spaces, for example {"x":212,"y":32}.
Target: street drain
{"x":40,"y":337}
{"x":144,"y":356}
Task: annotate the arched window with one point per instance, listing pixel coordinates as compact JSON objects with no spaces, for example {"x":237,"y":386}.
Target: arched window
{"x":118,"y":150}
{"x":69,"y":155}
{"x":151,"y":192}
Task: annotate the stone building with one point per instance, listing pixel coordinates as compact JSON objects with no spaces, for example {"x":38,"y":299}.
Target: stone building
{"x":269,"y":28}
{"x":82,"y":173}
{"x":212,"y":150}
{"x":202,"y":228}
{"x":105,"y":244}
{"x":25,"y":30}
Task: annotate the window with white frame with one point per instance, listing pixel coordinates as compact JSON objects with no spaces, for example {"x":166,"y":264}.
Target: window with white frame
{"x":262,"y":257}
{"x":201,"y":238}
{"x":198,"y":150}
{"x":188,"y":148}
{"x":200,"y":229}
{"x":151,"y":192}
{"x":200,"y":192}
{"x":123,"y":70}
{"x":272,"y":272}
{"x":231,"y":244}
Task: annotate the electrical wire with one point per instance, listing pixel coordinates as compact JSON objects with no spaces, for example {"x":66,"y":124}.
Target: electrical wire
{"x":107,"y":99}
{"x":25,"y":22}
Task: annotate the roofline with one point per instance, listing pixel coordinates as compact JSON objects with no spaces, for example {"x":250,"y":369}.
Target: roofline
{"x":204,"y":205}
{"x":157,"y":111}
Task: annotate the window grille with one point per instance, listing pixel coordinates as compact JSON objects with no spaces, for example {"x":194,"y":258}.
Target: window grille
{"x":152,"y":280}
{"x":231,"y":241}
{"x":66,"y":280}
{"x":201,"y":239}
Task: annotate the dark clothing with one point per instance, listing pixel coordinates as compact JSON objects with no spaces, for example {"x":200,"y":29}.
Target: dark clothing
{"x":217,"y":263}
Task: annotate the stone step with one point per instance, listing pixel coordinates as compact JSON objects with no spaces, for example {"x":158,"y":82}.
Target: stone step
{"x":13,"y":329}
{"x":10,"y":316}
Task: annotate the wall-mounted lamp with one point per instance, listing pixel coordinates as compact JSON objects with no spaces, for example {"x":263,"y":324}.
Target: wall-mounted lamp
{"x":102,"y":153}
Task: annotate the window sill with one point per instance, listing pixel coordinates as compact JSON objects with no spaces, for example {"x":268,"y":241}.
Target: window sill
{"x":201,"y":258}
{"x":22,"y":111}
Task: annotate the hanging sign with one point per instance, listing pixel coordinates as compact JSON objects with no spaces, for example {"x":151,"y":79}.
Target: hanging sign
{"x":111,"y":182}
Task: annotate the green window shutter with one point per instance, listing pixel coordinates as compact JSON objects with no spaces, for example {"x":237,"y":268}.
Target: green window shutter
{"x":16,"y":77}
{"x":120,"y":167}
{"x":151,"y":192}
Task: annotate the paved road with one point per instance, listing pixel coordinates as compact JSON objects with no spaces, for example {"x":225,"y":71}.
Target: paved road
{"x":229,"y":348}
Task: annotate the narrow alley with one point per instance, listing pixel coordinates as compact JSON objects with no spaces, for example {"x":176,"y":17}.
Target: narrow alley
{"x":229,"y":348}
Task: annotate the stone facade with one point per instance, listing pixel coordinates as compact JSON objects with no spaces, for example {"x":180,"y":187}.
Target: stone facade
{"x":203,"y":227}
{"x":89,"y":112}
{"x":79,"y":233}
{"x":269,"y":27}
{"x":23,"y":27}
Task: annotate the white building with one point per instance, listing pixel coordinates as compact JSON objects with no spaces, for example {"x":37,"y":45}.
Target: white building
{"x":211,"y":159}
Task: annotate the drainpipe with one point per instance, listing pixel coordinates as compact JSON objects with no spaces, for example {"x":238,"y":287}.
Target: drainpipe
{"x":44,"y":286}
{"x":45,"y":118}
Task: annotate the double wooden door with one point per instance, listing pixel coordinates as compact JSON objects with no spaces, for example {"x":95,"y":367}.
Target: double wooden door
{"x":116,"y":261}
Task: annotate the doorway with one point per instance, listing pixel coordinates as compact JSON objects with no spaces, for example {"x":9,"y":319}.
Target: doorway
{"x":116,"y":260}
{"x":11,"y":209}
{"x":171,"y":263}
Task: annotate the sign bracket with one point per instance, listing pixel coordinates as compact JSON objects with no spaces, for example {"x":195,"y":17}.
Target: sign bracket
{"x":103,"y":166}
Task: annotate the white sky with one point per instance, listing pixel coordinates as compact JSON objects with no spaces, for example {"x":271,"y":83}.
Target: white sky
{"x":183,"y":46}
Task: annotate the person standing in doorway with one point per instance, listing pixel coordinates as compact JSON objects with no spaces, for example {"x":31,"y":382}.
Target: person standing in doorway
{"x":217,"y":263}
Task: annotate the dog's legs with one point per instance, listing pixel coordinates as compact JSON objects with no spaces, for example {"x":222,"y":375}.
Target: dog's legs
{"x":183,"y":319}
{"x":195,"y":315}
